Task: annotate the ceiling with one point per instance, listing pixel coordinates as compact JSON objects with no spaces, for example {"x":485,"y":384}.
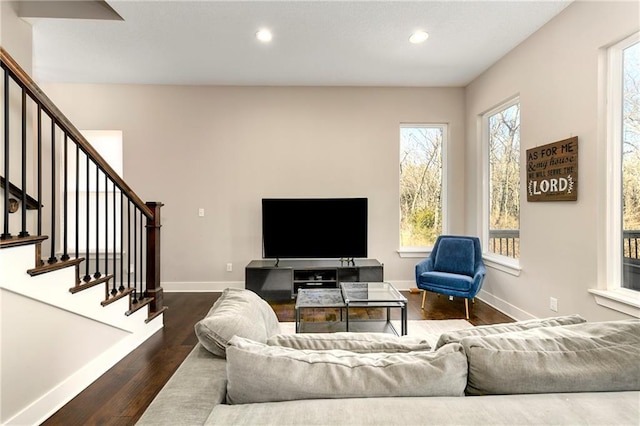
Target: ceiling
{"x":315,"y":43}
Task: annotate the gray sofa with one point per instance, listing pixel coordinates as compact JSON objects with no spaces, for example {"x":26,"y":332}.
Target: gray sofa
{"x":551,"y":371}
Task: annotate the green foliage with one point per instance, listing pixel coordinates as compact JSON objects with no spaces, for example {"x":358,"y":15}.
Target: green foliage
{"x":420,"y":185}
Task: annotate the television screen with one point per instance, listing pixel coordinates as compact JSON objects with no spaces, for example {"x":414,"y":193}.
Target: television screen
{"x":321,"y":228}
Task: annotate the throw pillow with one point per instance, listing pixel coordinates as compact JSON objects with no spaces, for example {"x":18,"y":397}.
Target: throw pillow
{"x":354,"y":342}
{"x":588,"y":357}
{"x":237,"y":312}
{"x":485,"y":330}
{"x":262,"y":373}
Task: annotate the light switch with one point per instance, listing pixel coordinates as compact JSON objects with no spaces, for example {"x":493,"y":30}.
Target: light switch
{"x":201,"y":212}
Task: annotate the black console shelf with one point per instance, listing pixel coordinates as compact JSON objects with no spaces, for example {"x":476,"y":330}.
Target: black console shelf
{"x":282,"y":282}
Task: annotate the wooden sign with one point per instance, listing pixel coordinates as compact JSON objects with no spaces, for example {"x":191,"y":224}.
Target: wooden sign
{"x":552,"y":171}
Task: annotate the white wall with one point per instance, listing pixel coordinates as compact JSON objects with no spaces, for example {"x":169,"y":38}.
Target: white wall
{"x":48,"y":347}
{"x":555,"y":72}
{"x":225,"y":148}
{"x":15,"y":35}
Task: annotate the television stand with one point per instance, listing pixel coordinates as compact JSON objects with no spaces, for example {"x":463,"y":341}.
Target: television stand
{"x":280,"y":280}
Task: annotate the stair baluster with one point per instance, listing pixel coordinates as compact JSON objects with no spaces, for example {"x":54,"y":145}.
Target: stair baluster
{"x":52,"y":258}
{"x":77,"y":206}
{"x":39,"y":232}
{"x":23,"y":231}
{"x":65,"y":200}
{"x":5,"y":234}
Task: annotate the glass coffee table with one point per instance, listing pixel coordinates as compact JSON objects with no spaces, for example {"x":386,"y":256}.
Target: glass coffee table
{"x":352,"y":295}
{"x":374,"y":295}
{"x":312,"y":298}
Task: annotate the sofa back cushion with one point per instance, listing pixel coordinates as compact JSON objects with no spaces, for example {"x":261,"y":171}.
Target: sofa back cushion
{"x":485,"y":330}
{"x":262,"y":373}
{"x":587,"y":357}
{"x":354,"y":342}
{"x":237,"y":312}
{"x":455,"y":256}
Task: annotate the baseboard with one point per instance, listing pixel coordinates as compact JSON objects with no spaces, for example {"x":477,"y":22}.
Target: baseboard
{"x":503,"y":306}
{"x":199,"y":286}
{"x":218,"y":286}
{"x":52,"y":401}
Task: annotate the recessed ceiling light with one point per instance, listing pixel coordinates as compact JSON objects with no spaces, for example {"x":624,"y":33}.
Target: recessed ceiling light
{"x":418,"y":37}
{"x":264,"y":35}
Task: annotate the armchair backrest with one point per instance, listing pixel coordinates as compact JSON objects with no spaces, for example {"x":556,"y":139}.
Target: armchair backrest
{"x":456,"y":254}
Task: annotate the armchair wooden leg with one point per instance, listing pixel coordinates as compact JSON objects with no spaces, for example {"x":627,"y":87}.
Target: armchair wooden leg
{"x":424,"y":298}
{"x":466,"y":307}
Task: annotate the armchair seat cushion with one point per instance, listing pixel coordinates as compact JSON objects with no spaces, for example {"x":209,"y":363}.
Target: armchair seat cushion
{"x":446,"y":281}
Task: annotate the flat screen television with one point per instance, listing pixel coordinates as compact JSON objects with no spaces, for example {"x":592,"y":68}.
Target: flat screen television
{"x":322,"y":228}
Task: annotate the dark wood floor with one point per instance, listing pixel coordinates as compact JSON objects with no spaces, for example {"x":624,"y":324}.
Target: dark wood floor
{"x":122,"y":394}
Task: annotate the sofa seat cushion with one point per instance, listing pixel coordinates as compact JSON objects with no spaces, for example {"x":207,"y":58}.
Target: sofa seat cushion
{"x":455,"y":255}
{"x":600,"y":408}
{"x":587,"y":357}
{"x":445,"y":280}
{"x":260,"y":373}
{"x":354,"y":342}
{"x":485,"y":330}
{"x":237,"y":312}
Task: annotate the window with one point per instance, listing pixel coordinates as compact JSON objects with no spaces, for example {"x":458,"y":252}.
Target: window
{"x":621,"y":197}
{"x":108,"y":143}
{"x":422,"y":189}
{"x":502,"y":197}
{"x":630,"y":151}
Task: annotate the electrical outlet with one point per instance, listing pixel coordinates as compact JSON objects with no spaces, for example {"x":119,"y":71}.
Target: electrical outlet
{"x":553,"y":304}
{"x":229,"y":267}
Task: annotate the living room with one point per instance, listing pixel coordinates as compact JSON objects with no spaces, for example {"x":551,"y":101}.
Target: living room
{"x":224,"y":148}
{"x":233,"y":146}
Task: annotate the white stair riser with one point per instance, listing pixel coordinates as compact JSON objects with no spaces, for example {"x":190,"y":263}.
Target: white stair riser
{"x":53,"y":287}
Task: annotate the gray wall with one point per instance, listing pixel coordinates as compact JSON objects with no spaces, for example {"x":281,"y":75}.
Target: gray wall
{"x":225,"y":148}
{"x":558,"y":74}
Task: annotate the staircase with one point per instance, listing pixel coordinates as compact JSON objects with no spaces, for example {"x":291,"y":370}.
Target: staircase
{"x":79,"y":257}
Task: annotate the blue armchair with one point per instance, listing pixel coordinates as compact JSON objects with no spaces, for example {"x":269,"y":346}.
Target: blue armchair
{"x":454,"y":268}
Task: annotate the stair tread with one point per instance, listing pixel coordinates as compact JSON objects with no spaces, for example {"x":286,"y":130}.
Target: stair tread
{"x":141,"y":304}
{"x":48,"y":267}
{"x":89,"y":284}
{"x":118,"y":296}
{"x":22,"y":241}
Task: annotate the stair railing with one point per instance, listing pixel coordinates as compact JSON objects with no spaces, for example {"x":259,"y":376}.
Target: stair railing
{"x":106,"y":222}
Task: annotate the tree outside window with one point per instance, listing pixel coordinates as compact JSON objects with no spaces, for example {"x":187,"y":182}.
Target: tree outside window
{"x":504,"y":181}
{"x":421,"y":184}
{"x":631,"y":166}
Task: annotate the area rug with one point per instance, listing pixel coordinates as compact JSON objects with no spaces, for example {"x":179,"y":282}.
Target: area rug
{"x":429,"y":330}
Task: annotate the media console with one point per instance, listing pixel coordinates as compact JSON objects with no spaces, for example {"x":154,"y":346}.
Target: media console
{"x":282,"y":282}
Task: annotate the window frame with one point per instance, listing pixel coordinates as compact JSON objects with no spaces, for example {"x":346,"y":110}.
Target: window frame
{"x":423,"y":251}
{"x":507,"y":264}
{"x":610,"y":292}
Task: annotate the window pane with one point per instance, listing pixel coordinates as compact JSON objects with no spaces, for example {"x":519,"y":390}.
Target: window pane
{"x":504,"y":182}
{"x":631,"y":167}
{"x":420,"y":185}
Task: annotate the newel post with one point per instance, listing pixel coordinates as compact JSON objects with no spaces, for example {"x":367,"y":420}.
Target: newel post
{"x":153,"y":256}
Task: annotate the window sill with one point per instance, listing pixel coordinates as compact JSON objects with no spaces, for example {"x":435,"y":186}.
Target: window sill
{"x":414,"y":252}
{"x":502,"y":263}
{"x":620,"y":299}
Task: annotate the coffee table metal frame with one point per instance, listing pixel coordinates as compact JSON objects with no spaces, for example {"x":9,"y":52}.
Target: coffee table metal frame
{"x":375,"y":295}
